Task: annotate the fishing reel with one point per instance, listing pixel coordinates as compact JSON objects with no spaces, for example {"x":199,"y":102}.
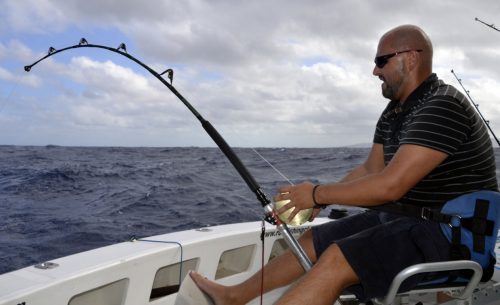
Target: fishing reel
{"x":274,"y":218}
{"x":299,"y":219}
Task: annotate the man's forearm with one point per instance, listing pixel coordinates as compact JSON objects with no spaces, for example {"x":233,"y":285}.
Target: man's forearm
{"x":356,"y":173}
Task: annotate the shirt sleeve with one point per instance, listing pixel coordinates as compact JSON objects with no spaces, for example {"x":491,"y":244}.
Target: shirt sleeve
{"x":382,"y":125}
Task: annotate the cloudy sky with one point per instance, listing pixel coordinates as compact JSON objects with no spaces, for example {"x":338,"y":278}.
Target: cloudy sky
{"x":264,"y":73}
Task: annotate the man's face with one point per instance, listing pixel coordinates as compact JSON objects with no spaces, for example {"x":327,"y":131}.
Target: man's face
{"x":390,"y":69}
{"x":393,"y":80}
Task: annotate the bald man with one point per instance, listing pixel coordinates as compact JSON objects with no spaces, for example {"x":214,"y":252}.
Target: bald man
{"x":430,"y":146}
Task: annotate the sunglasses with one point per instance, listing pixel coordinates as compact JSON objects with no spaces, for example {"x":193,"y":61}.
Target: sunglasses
{"x":381,"y":61}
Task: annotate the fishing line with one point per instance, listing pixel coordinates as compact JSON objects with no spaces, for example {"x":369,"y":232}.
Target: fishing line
{"x":272,"y":166}
{"x":487,"y":122}
{"x":9,"y":94}
{"x":263,"y":230}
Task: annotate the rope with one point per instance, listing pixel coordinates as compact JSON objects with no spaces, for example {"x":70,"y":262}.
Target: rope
{"x":166,"y":242}
{"x":262,"y":236}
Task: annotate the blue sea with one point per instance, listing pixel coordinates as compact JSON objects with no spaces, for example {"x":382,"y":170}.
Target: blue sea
{"x":56,"y":201}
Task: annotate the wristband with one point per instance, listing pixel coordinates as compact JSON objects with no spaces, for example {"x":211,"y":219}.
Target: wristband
{"x":316,"y":204}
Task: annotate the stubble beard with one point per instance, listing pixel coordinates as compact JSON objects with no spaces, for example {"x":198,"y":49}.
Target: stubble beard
{"x":390,"y":91}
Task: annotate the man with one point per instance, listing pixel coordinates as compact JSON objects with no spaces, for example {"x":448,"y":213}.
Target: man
{"x":430,"y":146}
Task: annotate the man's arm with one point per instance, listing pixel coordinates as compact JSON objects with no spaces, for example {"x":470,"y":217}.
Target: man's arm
{"x":374,"y":163}
{"x":409,"y":165}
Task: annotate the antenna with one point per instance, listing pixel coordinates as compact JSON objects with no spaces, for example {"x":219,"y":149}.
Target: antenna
{"x":488,"y":25}
{"x":487,"y":122}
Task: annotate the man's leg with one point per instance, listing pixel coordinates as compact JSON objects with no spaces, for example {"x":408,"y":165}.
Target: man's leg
{"x":324,"y":283}
{"x":279,"y":272}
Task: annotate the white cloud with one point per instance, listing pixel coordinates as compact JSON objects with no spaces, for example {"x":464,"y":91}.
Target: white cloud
{"x":39,"y":16}
{"x":266,"y":73}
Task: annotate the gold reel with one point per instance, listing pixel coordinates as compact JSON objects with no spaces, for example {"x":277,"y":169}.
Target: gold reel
{"x":300,"y":218}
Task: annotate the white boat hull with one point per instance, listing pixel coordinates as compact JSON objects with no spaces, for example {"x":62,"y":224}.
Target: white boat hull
{"x":148,"y":271}
{"x":125,"y":273}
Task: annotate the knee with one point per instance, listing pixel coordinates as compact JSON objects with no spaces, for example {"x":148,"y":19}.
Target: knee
{"x":307,"y":243}
{"x":333,"y":259}
{"x":332,"y":256}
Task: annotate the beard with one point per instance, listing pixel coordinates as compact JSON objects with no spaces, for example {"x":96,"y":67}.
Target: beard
{"x":391,"y":88}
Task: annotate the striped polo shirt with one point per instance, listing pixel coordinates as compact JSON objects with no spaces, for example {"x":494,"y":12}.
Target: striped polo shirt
{"x":438,"y":116}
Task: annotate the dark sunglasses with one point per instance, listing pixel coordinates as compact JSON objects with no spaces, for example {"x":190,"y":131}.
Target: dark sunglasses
{"x":381,"y":61}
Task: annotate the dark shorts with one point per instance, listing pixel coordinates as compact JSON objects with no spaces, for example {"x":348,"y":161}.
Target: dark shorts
{"x":379,"y":245}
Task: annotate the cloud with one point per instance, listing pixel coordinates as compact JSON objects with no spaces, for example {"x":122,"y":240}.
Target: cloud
{"x":16,"y":52}
{"x":37,"y":16}
{"x":275,"y":73}
{"x":107,"y":94}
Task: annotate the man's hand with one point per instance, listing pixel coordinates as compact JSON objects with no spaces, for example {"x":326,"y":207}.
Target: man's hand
{"x":300,"y":197}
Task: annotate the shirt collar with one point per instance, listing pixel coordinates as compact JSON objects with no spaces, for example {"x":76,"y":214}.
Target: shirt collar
{"x":426,"y":86}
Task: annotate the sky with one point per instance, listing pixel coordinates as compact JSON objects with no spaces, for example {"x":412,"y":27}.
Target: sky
{"x":275,"y":73}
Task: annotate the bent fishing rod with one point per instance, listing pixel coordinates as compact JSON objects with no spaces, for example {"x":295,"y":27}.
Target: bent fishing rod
{"x":271,"y":216}
{"x":487,"y":122}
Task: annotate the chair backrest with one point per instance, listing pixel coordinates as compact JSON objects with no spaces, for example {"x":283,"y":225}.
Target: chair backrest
{"x":476,"y":215}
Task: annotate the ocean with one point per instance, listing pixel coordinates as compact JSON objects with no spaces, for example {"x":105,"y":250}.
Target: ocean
{"x":56,"y":201}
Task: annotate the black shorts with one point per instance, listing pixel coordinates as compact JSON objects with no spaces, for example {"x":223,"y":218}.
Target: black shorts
{"x":379,"y":245}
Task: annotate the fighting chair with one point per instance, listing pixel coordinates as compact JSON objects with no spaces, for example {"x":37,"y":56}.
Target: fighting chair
{"x":471,"y":223}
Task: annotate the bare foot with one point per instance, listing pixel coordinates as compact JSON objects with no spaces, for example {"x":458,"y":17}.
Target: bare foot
{"x":218,"y":293}
{"x":442,"y":297}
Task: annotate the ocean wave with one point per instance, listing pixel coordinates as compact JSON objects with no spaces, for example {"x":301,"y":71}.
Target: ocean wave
{"x":56,"y":200}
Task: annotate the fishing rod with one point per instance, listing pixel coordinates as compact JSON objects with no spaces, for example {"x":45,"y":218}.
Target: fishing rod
{"x":488,"y":25}
{"x":487,"y":122}
{"x":270,"y":215}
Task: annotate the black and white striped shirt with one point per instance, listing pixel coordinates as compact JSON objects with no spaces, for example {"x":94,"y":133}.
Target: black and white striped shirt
{"x":440,"y":117}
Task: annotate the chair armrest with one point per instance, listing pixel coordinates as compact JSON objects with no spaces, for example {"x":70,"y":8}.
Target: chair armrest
{"x":435,"y":267}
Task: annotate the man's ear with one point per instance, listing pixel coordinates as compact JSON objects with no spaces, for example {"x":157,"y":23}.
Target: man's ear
{"x":413,"y":60}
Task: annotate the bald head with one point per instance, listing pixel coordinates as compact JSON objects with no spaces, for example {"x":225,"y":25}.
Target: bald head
{"x":403,"y":61}
{"x":410,"y":37}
